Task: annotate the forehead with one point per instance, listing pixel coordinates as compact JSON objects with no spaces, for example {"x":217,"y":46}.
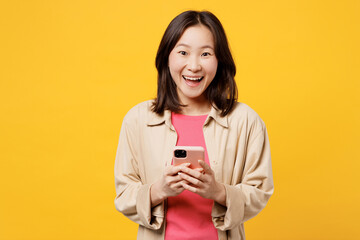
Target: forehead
{"x":196,"y":36}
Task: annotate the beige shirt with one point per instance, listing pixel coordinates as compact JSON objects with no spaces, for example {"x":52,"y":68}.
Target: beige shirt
{"x":239,"y":153}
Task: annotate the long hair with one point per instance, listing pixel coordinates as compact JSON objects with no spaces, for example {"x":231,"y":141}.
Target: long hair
{"x":222,"y":91}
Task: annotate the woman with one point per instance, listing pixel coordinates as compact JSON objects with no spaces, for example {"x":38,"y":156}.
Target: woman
{"x":195,"y":106}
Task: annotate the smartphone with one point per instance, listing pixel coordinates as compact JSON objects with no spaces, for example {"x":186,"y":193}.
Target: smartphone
{"x":188,"y":154}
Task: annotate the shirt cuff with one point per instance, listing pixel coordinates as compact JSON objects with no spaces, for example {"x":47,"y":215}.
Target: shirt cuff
{"x":152,"y":218}
{"x":229,"y":217}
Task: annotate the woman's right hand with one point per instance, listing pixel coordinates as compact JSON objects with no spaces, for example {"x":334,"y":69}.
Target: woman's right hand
{"x":168,"y":185}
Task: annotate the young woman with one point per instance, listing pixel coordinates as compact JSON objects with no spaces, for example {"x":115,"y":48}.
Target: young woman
{"x":195,"y":106}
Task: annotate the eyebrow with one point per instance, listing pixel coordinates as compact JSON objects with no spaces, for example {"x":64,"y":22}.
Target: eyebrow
{"x":185,"y":45}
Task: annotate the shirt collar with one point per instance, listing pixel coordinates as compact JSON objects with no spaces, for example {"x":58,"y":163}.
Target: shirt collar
{"x":216,"y":115}
{"x":157,"y":119}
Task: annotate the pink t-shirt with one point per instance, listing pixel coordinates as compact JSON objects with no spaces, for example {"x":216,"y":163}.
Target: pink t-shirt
{"x":189,"y":215}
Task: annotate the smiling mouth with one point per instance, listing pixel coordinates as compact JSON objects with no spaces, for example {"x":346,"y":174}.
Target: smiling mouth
{"x":195,"y":79}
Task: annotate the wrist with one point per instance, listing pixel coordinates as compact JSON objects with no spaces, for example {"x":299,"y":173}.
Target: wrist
{"x":155,"y":195}
{"x":220,"y":196}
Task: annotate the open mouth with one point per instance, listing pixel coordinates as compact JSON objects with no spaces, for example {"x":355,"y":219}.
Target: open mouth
{"x":195,"y":79}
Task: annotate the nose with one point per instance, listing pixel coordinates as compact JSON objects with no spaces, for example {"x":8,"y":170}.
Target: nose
{"x":194,"y":64}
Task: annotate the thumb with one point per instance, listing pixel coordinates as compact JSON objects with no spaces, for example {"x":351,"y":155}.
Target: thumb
{"x":205,"y":166}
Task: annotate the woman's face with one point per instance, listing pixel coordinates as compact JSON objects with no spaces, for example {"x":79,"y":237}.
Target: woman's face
{"x":193,"y":63}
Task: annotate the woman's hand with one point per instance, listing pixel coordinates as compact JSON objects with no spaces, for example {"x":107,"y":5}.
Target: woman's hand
{"x":203,"y":183}
{"x":170,"y":184}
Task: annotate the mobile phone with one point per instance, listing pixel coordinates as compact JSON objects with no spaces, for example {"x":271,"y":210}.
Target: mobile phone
{"x":188,"y":154}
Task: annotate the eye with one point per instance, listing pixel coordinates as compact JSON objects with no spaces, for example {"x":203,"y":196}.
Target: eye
{"x":183,"y":53}
{"x":205,"y":54}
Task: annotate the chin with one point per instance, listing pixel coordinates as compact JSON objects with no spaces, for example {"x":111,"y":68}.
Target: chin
{"x":193,"y":96}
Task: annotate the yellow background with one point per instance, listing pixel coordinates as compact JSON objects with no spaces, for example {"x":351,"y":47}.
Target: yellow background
{"x":70,"y":70}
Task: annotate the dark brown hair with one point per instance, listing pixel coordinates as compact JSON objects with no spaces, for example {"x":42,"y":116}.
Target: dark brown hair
{"x":222,"y":92}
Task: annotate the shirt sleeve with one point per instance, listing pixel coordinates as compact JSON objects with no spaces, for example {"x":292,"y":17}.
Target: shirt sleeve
{"x":246,"y":199}
{"x":132,"y":195}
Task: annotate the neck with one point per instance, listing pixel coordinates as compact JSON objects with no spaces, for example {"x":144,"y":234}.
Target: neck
{"x":196,"y":107}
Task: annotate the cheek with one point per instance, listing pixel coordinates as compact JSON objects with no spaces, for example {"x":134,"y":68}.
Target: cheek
{"x":175,"y":64}
{"x":211,"y":67}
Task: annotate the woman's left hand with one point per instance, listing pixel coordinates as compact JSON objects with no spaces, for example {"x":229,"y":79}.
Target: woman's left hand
{"x":203,"y":183}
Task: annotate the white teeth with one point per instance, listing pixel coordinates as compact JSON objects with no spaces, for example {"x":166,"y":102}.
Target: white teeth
{"x":193,"y":79}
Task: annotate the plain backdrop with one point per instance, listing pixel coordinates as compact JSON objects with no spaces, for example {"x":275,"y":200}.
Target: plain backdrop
{"x":71,"y":69}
